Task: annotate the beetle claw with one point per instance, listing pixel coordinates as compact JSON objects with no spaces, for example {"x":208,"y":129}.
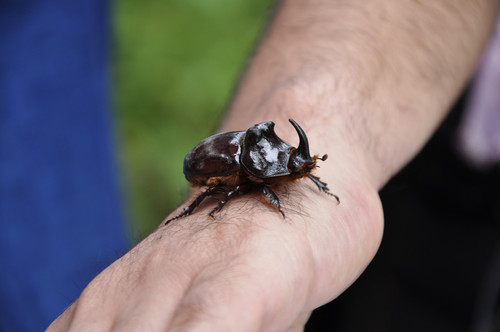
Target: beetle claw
{"x":336,"y":197}
{"x":190,"y":208}
{"x":274,"y":199}
{"x":322,"y":186}
{"x":230,"y":194}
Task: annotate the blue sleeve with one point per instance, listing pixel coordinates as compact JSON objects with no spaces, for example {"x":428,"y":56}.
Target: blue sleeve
{"x":60,"y":211}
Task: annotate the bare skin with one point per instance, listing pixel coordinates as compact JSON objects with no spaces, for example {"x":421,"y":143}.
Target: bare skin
{"x":368,"y":82}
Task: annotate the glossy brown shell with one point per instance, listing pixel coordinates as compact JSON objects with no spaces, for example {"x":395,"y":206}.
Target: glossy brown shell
{"x":240,"y":156}
{"x":215,"y":156}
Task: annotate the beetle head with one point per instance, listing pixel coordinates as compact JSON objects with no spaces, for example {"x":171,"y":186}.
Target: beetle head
{"x":300,"y":159}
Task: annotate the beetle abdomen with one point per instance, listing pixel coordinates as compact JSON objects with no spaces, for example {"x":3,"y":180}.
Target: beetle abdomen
{"x":216,"y":156}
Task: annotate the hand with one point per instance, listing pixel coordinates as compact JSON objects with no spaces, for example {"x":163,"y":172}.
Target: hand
{"x":247,"y":270}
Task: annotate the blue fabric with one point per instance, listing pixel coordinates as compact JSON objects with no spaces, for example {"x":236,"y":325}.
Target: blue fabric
{"x":60,"y":213}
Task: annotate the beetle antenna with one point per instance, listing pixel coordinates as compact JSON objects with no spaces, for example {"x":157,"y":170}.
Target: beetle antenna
{"x":303,"y":148}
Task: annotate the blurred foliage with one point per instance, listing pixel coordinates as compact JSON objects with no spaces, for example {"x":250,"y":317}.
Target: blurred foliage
{"x":175,"y":65}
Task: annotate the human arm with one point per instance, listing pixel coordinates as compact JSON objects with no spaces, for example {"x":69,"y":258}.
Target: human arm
{"x":368,"y":82}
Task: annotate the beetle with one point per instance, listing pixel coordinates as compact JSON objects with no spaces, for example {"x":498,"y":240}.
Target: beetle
{"x":239,"y":162}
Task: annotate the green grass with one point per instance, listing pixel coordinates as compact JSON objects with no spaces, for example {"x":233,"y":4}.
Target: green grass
{"x":175,"y":63}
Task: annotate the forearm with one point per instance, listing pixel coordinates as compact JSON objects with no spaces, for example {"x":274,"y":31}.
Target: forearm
{"x":370,"y":79}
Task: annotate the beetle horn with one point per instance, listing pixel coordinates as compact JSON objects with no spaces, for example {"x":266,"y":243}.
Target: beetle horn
{"x":303,"y":148}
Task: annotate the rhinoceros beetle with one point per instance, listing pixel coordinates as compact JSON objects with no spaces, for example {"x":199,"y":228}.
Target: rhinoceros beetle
{"x":238,"y":162}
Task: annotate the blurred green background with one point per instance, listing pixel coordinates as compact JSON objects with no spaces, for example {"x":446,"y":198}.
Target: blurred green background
{"x":175,"y":63}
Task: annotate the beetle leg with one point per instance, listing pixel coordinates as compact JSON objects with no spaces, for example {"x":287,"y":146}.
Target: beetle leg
{"x":230,"y":194}
{"x":322,"y":186}
{"x":273,"y":197}
{"x":189,"y":209}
